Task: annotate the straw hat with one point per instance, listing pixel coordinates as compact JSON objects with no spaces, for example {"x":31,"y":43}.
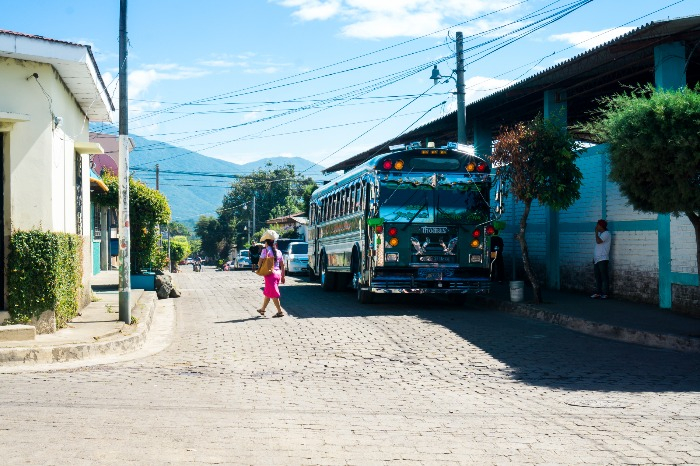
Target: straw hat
{"x":269,"y":234}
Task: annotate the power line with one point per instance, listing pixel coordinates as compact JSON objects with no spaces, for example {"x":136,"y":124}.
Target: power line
{"x":354,"y":58}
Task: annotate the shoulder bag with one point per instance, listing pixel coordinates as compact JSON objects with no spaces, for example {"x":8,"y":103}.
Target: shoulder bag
{"x":266,"y":267}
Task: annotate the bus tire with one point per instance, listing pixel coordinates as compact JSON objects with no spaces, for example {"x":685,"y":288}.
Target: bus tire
{"x":327,"y":278}
{"x":364,"y":296}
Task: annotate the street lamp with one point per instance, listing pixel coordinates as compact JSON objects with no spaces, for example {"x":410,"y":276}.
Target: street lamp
{"x":436,"y":76}
{"x":245,"y":207}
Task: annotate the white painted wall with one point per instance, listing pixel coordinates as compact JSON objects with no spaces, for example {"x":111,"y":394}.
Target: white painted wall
{"x":40,"y":180}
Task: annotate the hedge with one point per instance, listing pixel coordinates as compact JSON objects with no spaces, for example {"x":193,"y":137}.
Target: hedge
{"x":44,"y":273}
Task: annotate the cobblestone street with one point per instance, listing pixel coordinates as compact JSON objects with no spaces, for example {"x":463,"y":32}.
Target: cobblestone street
{"x":402,"y":381}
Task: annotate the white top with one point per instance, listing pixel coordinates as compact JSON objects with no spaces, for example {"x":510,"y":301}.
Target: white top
{"x":602,"y":250}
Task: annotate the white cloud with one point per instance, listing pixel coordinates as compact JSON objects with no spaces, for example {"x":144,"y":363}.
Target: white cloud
{"x":263,"y":70}
{"x":478,"y":87}
{"x":250,"y":116}
{"x":589,"y":39}
{"x":245,"y":63}
{"x":223,"y":63}
{"x":372,"y":19}
{"x":310,"y":10}
{"x":140,"y":80}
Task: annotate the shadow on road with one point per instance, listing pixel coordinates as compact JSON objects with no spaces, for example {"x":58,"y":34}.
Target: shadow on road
{"x":535,"y":352}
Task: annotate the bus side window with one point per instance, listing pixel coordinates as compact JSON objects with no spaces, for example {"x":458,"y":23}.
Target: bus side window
{"x":358,"y":196}
{"x":342,"y":203}
{"x":351,"y":207}
{"x":346,"y":201}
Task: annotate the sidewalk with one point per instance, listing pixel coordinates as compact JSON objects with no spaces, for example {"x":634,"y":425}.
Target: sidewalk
{"x":97,"y":331}
{"x":615,"y":319}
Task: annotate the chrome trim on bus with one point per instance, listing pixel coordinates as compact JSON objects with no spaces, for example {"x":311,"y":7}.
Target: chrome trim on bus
{"x":474,"y":290}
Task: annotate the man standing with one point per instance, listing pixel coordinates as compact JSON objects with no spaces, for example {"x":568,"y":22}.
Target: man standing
{"x":497,"y":266}
{"x":601,"y":258}
{"x":254,"y":255}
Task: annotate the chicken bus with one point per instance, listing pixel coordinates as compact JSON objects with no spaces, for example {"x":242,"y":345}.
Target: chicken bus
{"x":412,"y":220}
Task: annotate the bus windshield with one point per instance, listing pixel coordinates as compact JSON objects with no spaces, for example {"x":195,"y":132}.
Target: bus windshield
{"x":413,"y":204}
{"x":454,"y":205}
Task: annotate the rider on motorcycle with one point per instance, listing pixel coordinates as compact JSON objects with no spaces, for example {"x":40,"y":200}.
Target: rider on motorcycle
{"x":197,"y":264}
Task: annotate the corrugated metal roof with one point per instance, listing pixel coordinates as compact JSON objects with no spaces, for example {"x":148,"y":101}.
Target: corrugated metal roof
{"x":75,"y":64}
{"x":627,"y":60}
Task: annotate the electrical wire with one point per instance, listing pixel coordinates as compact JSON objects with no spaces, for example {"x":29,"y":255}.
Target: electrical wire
{"x":357,"y":57}
{"x":553,"y":17}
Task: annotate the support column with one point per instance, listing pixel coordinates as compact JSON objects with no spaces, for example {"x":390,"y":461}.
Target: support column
{"x":555,"y":111}
{"x":669,"y":73}
{"x":104,"y":239}
{"x":482,"y":138}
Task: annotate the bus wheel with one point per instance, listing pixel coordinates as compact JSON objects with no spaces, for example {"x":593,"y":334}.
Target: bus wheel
{"x":364,"y":296}
{"x":327,"y":278}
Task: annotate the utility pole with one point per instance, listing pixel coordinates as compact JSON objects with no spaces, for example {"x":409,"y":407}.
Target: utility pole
{"x":157,"y":178}
{"x":124,"y":231}
{"x":254,"y":230}
{"x":461,"y":116}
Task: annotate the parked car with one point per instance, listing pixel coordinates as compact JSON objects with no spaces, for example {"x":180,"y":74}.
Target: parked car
{"x":242,"y":260}
{"x":296,"y":259}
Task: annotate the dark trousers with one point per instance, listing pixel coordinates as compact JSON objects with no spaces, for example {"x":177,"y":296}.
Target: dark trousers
{"x":602,"y":281}
{"x":498,"y":268}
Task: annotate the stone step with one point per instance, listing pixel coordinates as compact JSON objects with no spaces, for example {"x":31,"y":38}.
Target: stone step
{"x":17,"y":332}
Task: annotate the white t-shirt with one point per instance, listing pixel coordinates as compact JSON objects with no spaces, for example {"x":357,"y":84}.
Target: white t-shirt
{"x":602,"y":250}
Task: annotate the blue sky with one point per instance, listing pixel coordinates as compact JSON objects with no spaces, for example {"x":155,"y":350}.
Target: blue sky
{"x":319,"y":79}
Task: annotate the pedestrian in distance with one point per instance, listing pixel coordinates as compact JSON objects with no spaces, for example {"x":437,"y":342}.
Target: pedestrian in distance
{"x":601,"y":259}
{"x":254,"y":254}
{"x":271,"y":291}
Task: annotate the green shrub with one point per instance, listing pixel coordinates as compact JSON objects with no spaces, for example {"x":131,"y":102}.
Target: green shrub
{"x":148,"y":209}
{"x":44,"y":273}
{"x":179,"y":249}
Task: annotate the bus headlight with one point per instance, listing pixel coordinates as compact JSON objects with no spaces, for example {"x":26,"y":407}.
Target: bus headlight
{"x":392,"y":257}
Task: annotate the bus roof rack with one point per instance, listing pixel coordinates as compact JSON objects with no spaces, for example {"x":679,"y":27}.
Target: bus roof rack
{"x":397,"y":147}
{"x":457,"y":146}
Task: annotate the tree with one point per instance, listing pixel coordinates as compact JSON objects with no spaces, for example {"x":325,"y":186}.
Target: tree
{"x":277,"y":192}
{"x":655,"y":150}
{"x":179,"y":249}
{"x":148,"y":209}
{"x":179,"y":229}
{"x":537,"y":160}
{"x":209,"y":232}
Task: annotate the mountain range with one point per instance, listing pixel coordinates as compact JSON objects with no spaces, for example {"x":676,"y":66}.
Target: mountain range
{"x":195,"y":184}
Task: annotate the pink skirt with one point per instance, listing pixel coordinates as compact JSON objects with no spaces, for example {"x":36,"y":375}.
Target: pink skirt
{"x":272,"y":284}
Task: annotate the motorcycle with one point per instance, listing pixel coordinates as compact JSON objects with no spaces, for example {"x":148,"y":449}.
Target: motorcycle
{"x":197,"y":266}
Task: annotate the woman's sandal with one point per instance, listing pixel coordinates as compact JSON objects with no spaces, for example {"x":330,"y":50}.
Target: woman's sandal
{"x":279,"y":314}
{"x":261,"y":312}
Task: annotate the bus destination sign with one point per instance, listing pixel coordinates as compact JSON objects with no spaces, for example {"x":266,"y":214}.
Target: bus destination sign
{"x":433,"y":230}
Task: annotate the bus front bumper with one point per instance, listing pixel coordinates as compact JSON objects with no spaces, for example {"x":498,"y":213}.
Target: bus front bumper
{"x":472,"y":286}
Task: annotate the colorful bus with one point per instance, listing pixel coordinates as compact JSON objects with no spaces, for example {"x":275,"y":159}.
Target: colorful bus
{"x":413,"y":220}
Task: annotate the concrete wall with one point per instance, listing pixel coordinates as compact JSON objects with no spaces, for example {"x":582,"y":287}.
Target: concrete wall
{"x":635,"y":255}
{"x":40,"y":159}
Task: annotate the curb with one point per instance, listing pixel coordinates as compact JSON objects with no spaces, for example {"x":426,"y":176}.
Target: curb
{"x":145,"y":308}
{"x":597,"y":329}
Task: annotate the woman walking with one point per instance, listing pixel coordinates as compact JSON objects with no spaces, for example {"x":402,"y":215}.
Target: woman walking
{"x":272,"y":281}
